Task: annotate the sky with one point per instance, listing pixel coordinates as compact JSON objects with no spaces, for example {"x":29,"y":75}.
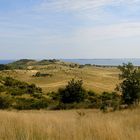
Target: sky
{"x":68,"y":29}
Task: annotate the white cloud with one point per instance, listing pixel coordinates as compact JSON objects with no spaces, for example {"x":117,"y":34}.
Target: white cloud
{"x":88,"y":35}
{"x":109,"y":31}
{"x":80,"y":5}
{"x":85,"y":9}
{"x":61,"y":34}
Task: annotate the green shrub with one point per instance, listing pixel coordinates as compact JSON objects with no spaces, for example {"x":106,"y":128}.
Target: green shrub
{"x":30,"y":103}
{"x":4,"y":67}
{"x":2,"y":88}
{"x":16,"y":87}
{"x":71,"y":105}
{"x":73,"y":92}
{"x":39,"y":74}
{"x":130,"y":85}
{"x":109,"y":100}
{"x":4,"y":102}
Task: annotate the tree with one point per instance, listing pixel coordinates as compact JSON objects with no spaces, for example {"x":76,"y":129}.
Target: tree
{"x":4,"y":67}
{"x":130,"y":85}
{"x":73,"y":92}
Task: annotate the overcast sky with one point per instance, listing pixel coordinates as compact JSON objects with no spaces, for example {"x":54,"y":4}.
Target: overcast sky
{"x":69,"y":29}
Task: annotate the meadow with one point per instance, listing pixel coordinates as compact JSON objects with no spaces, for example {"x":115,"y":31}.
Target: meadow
{"x":98,"y":79}
{"x":80,"y":124}
{"x":70,"y":125}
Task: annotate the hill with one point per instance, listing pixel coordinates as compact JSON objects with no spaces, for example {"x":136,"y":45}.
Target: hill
{"x":55,"y":74}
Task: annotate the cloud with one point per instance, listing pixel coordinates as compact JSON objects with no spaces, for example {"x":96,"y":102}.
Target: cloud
{"x":87,"y":9}
{"x":72,"y":27}
{"x":80,"y":5}
{"x":130,"y":29}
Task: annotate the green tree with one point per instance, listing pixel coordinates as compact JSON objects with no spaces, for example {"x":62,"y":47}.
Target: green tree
{"x":73,"y":92}
{"x":130,"y":85}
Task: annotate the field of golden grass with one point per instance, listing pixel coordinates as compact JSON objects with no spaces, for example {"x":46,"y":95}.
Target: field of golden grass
{"x":98,"y":79}
{"x":70,"y":125}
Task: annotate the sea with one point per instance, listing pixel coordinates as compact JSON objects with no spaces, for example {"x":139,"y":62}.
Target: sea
{"x":104,"y":62}
{"x":101,"y":62}
{"x":6,"y":61}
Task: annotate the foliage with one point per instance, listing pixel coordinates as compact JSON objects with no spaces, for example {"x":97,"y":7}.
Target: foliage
{"x":2,"y":88}
{"x":4,"y":67}
{"x":21,"y":64}
{"x":21,"y":95}
{"x":4,"y":102}
{"x":16,"y":87}
{"x":47,"y":62}
{"x":109,"y":100}
{"x":73,"y":92}
{"x":92,"y":100}
{"x":39,"y":74}
{"x":30,"y":103}
{"x":72,"y":65}
{"x":130,"y":85}
{"x":75,"y":96}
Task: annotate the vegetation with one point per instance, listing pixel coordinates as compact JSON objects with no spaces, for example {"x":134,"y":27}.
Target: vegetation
{"x":130,"y":86}
{"x":24,"y":63}
{"x":99,"y":79}
{"x":4,"y":67}
{"x":23,"y":96}
{"x":47,"y":62}
{"x":70,"y":125}
{"x":73,"y":92}
{"x":21,"y":64}
{"x":39,"y":74}
{"x":20,"y":95}
{"x":75,"y":96}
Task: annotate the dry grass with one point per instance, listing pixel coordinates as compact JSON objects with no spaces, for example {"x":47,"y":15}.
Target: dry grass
{"x":70,"y":125}
{"x":95,"y":78}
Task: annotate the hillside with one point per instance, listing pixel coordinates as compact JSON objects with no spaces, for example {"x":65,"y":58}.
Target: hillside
{"x":55,"y":74}
{"x":20,"y":95}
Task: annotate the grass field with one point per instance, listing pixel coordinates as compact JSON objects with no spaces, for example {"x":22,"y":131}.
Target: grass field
{"x":70,"y":125}
{"x":98,"y":79}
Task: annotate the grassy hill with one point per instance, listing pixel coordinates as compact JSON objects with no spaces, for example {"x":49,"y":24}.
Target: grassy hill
{"x":57,"y":74}
{"x":20,"y":88}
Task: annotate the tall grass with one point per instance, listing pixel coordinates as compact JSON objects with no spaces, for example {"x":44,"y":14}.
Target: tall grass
{"x":70,"y":125}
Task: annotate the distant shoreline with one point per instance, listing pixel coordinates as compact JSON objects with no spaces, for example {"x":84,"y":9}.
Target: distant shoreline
{"x":107,"y":62}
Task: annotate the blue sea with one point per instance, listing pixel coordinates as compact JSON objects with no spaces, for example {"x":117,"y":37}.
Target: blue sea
{"x":102,"y":62}
{"x":5,"y":61}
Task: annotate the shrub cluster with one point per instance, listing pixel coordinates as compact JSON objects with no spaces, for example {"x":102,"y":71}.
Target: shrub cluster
{"x":75,"y":96}
{"x":39,"y":74}
{"x":4,"y":67}
{"x":30,"y":103}
{"x":21,"y":95}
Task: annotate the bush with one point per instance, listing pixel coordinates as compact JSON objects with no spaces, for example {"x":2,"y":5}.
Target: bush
{"x":30,"y":103}
{"x":2,"y":88}
{"x":130,"y":86}
{"x":4,"y":102}
{"x":109,"y":100}
{"x":16,"y":87}
{"x":71,"y":105}
{"x":73,"y":92}
{"x":39,"y":74}
{"x":93,"y":100}
{"x":4,"y":67}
